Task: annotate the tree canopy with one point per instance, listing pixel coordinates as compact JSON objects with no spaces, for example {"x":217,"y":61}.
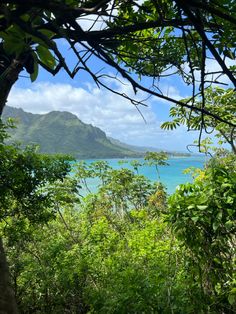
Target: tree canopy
{"x":24,"y":179}
{"x":148,"y":38}
{"x":127,"y":247}
{"x":219,"y":101}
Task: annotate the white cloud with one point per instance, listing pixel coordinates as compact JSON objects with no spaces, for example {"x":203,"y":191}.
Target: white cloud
{"x":212,"y":68}
{"x":113,"y":114}
{"x":171,"y":91}
{"x":91,"y":22}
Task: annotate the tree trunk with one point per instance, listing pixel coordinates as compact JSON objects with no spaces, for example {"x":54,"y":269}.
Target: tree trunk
{"x":9,"y":73}
{"x":7,"y":297}
{"x":5,"y":88}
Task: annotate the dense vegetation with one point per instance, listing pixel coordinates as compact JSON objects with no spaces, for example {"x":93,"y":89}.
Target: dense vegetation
{"x":24,"y":175}
{"x":219,"y":101}
{"x":127,"y":248}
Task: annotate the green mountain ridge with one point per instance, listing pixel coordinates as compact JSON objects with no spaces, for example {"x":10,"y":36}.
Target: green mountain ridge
{"x":63,"y":132}
{"x":141,"y":149}
{"x":144,"y":149}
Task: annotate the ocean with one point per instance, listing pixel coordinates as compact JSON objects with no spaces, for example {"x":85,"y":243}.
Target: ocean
{"x":171,"y":176}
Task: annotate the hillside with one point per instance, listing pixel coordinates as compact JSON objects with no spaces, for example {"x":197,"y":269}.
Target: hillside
{"x":141,"y":149}
{"x":144,"y":149}
{"x":63,"y":132}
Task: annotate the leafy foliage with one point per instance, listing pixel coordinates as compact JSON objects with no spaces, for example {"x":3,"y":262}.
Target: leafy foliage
{"x":156,"y":159}
{"x":151,"y":38}
{"x":202,"y":215}
{"x":24,"y":175}
{"x":24,"y":199}
{"x":96,"y":260}
{"x":222,"y":103}
{"x":124,"y":249}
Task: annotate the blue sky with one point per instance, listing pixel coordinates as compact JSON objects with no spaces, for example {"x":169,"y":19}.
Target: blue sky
{"x":99,"y":107}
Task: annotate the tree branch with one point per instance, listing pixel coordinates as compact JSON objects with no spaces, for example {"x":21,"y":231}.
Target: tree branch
{"x":198,"y":27}
{"x":137,"y":86}
{"x":213,"y":10}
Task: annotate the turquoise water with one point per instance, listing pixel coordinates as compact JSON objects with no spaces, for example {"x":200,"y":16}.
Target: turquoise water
{"x":171,"y":176}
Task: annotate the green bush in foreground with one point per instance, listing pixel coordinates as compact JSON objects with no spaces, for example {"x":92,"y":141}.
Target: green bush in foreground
{"x":124,"y":250}
{"x":202,"y":216}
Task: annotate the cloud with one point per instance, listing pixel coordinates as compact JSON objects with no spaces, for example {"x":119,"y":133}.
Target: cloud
{"x":213,"y":66}
{"x":171,"y":91}
{"x":212,"y":70}
{"x":113,"y":114}
{"x":92,"y":22}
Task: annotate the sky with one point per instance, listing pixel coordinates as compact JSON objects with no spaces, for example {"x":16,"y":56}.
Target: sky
{"x":101,"y":108}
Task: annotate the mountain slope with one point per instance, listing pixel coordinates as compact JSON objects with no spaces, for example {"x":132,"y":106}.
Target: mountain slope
{"x":140,"y":149}
{"x":63,"y":132}
{"x":143,"y":149}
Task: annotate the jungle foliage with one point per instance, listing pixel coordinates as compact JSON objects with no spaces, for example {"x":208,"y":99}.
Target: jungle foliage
{"x":127,"y":247}
{"x":220,"y":102}
{"x":24,"y":177}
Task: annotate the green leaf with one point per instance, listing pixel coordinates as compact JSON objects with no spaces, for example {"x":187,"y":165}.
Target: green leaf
{"x":47,"y":33}
{"x":215,"y":225}
{"x":14,"y":40}
{"x":34,"y":75}
{"x":191,"y":206}
{"x":232,"y":299}
{"x":229,"y":54}
{"x":202,"y":207}
{"x":219,"y":216}
{"x":46,"y":56}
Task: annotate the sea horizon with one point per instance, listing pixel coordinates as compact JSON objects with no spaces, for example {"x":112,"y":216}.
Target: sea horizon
{"x":171,"y":176}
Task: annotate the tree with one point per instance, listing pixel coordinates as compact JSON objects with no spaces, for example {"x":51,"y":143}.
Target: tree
{"x":202,"y":215}
{"x":24,"y":176}
{"x":92,"y":259}
{"x":156,"y":159}
{"x":219,"y":101}
{"x":154,"y":39}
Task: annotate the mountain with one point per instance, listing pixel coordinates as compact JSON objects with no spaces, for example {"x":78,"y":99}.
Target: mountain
{"x":140,"y":149}
{"x":64,"y":132}
{"x":143,"y":149}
